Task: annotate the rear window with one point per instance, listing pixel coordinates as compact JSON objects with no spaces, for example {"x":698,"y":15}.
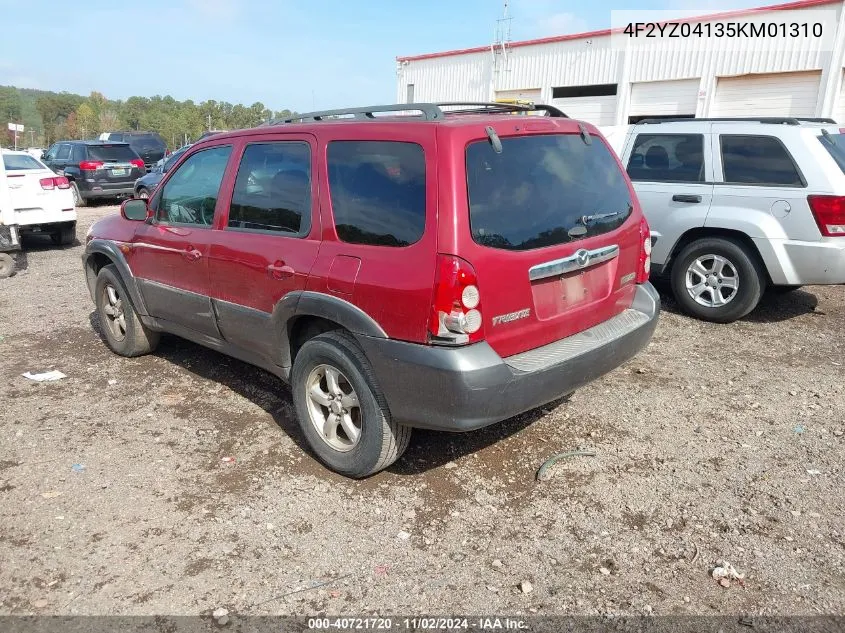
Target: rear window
{"x":378,"y":191}
{"x":20,"y":161}
{"x":544,"y":190}
{"x":111,"y":152}
{"x":835,"y":145}
{"x":146,"y":143}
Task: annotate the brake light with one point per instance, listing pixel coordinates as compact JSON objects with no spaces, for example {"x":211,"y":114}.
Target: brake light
{"x":829,"y":212}
{"x":456,"y":307}
{"x":90,"y":165}
{"x":138,"y":163}
{"x":644,"y":267}
{"x":47,"y":183}
{"x":61,"y":182}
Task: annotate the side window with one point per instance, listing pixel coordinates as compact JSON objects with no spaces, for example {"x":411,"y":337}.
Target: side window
{"x":78,"y":153}
{"x":377,"y":191}
{"x":273,"y":189}
{"x":51,"y":153}
{"x":190,"y":195}
{"x":63,"y":152}
{"x":667,"y":158}
{"x":758,"y":160}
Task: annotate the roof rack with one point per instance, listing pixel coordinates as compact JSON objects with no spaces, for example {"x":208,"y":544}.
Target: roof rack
{"x":778,"y":120}
{"x":425,"y":111}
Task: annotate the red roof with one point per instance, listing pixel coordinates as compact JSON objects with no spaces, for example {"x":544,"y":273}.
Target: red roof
{"x":799,"y":4}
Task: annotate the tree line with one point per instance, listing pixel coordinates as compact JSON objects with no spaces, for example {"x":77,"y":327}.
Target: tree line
{"x":53,"y":116}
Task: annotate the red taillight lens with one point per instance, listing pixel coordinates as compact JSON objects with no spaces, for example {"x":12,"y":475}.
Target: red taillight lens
{"x":644,"y":267}
{"x":829,"y":212}
{"x":61,"y":182}
{"x":90,"y":165}
{"x":137,"y":162}
{"x":456,"y":308}
{"x":48,"y":183}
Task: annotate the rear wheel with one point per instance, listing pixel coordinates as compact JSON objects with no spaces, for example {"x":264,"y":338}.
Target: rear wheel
{"x":78,"y":200}
{"x":717,"y":279}
{"x":341,"y":409}
{"x":7,"y":265}
{"x":123,"y":330}
{"x":65,"y":236}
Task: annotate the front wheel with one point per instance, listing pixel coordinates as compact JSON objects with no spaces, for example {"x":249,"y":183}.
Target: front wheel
{"x":143,"y":193}
{"x":717,"y":279}
{"x":341,"y":409}
{"x":124,"y":333}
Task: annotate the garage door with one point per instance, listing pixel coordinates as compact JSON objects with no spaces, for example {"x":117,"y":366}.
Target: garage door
{"x":664,"y":98}
{"x":595,"y":110}
{"x":528,"y":94}
{"x":839,"y":108}
{"x":775,"y":94}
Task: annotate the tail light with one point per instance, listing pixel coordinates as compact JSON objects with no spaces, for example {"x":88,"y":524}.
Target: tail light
{"x":90,"y":165}
{"x":456,"y":307}
{"x":644,"y":267}
{"x":829,"y":212}
{"x":58,"y":182}
{"x":138,"y":163}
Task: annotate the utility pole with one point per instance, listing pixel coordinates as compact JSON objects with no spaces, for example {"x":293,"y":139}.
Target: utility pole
{"x":209,"y":122}
{"x":32,"y":138}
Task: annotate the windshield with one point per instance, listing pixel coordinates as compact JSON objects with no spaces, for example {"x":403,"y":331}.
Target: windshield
{"x":111,"y":152}
{"x":835,"y":145}
{"x":544,"y":190}
{"x":20,"y":161}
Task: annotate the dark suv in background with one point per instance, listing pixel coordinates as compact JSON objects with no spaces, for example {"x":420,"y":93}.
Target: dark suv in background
{"x":96,"y":169}
{"x":149,"y":145}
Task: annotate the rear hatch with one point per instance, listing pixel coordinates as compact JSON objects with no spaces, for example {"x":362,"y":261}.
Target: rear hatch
{"x":555,"y":233}
{"x":111,"y":165}
{"x":32,"y":187}
{"x":149,"y":148}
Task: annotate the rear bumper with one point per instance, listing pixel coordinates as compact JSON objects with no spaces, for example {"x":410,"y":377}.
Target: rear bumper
{"x":105,"y":190}
{"x":470,"y":387}
{"x":797,"y":263}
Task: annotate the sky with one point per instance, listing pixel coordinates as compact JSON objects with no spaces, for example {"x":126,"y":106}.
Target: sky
{"x":285,"y":54}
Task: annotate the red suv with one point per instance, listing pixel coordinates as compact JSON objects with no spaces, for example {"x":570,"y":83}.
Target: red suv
{"x":445,"y":269}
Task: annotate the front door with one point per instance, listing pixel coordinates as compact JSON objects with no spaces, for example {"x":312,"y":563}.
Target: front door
{"x":674,"y":184}
{"x":170,"y":255}
{"x":269,"y":239}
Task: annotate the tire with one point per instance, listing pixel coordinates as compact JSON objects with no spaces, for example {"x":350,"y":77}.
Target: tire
{"x":7,"y":265}
{"x":128,"y":337}
{"x":734,"y":270}
{"x":78,"y":200}
{"x":782,"y":290}
{"x":143,"y":193}
{"x":380,"y":440}
{"x":65,"y":236}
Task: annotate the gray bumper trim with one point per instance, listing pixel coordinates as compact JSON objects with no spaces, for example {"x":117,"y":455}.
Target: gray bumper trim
{"x":460,"y":389}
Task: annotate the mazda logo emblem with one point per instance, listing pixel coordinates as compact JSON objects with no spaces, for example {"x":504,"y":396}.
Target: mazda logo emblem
{"x":583,"y":257}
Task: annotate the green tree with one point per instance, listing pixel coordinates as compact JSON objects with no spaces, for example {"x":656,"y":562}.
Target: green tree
{"x":88,"y":120}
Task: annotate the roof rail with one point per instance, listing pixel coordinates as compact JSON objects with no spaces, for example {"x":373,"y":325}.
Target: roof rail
{"x":426,"y":111}
{"x":778,"y":120}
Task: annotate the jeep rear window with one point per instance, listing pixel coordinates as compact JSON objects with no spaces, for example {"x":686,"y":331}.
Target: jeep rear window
{"x":111,"y":152}
{"x":378,"y":191}
{"x":835,"y":145}
{"x":544,"y":190}
{"x":20,"y":161}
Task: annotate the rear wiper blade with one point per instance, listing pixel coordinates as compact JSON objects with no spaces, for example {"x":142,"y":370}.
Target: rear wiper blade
{"x":586,"y":219}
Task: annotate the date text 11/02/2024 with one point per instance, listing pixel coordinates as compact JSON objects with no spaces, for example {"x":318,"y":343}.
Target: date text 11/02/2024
{"x":418,"y":624}
{"x":724,"y":29}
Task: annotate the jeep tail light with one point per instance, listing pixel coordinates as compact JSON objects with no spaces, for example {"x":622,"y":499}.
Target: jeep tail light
{"x":829,"y":212}
{"x":456,"y":308}
{"x":137,"y":162}
{"x":90,"y":165}
{"x":644,"y":267}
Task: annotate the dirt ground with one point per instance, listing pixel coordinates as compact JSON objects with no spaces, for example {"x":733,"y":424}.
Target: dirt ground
{"x":719,"y":442}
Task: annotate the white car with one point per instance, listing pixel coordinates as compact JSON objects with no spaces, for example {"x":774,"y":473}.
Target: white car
{"x":35,"y":199}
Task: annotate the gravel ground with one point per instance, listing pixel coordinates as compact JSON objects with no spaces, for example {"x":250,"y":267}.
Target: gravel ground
{"x":719,"y":442}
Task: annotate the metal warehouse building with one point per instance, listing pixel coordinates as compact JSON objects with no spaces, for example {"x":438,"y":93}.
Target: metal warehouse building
{"x":589,"y":76}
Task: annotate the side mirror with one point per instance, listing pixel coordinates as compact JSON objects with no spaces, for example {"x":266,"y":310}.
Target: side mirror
{"x":135,"y":209}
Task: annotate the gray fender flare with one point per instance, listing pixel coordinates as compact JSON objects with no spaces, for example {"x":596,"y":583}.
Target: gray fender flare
{"x":112,"y":251}
{"x":308,"y":303}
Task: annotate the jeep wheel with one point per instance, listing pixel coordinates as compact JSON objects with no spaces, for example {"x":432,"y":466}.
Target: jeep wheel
{"x":78,"y":200}
{"x":124,"y":333}
{"x":341,"y":409}
{"x":717,"y":279}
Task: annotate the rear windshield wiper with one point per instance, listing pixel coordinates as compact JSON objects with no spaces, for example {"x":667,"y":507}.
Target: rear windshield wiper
{"x":586,"y":219}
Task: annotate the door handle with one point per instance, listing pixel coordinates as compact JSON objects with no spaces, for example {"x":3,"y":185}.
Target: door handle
{"x":681,"y":197}
{"x":280,"y":270}
{"x":192,"y":254}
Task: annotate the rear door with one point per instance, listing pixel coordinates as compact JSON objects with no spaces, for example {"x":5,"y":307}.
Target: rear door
{"x":268,"y":240}
{"x":170,"y":255}
{"x":673,"y":179}
{"x":61,"y":158}
{"x":555,"y":234}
